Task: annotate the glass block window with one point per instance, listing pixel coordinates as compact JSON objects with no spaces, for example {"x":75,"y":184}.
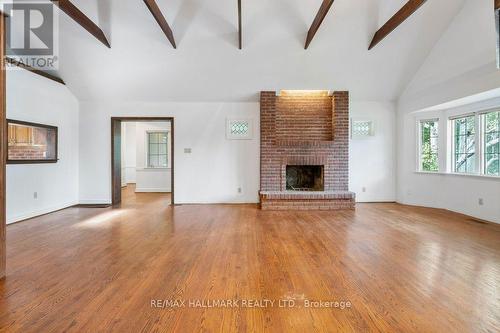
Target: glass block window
{"x":361,"y":128}
{"x":429,"y":143}
{"x":157,"y":149}
{"x":239,"y":129}
{"x":464,"y":144}
{"x":491,"y":148}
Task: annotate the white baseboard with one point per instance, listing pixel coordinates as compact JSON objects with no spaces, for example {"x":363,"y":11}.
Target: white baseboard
{"x":38,"y":212}
{"x":159,"y":190}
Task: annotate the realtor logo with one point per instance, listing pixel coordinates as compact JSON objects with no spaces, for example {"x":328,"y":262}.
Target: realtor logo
{"x":32,"y":33}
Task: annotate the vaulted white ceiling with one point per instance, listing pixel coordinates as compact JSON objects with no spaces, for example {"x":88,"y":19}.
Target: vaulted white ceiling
{"x":208,"y":66}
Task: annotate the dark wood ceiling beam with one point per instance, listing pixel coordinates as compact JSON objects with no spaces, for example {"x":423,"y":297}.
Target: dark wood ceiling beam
{"x":20,"y":64}
{"x":240,"y":43}
{"x":155,"y":10}
{"x":80,"y":18}
{"x":404,"y":13}
{"x":320,"y":16}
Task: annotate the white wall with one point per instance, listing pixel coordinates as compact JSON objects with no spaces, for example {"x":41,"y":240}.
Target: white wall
{"x":212,"y":173}
{"x":122,"y":154}
{"x":130,"y":152}
{"x":217,"y":167}
{"x":33,"y":98}
{"x":151,"y":179}
{"x":462,"y":63}
{"x":461,"y":66}
{"x":460,"y":193}
{"x":372,"y":164}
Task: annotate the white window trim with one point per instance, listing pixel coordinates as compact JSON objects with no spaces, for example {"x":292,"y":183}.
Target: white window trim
{"x":482,"y":152}
{"x":478,"y":140}
{"x":446,"y":142}
{"x":446,"y":137}
{"x":459,"y":174}
{"x":146,"y":150}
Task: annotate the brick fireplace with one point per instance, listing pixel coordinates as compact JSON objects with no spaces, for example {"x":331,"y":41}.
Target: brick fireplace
{"x":305,"y":151}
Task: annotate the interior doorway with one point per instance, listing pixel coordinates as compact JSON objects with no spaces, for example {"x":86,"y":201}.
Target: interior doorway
{"x":155,"y":155}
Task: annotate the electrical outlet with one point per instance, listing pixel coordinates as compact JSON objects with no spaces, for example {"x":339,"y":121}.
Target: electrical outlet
{"x":480,"y":201}
{"x":240,"y":190}
{"x":35,"y":195}
{"x":363,"y":189}
{"x":187,"y":150}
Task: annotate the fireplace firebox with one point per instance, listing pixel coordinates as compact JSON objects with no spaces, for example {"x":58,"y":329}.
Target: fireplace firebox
{"x":304,"y":178}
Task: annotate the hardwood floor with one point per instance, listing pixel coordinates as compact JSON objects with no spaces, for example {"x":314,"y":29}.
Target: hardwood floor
{"x":129,"y":197}
{"x":403,"y":269}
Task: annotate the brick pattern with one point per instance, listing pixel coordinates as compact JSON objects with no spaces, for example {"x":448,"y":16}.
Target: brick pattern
{"x":307,"y":118}
{"x":332,"y":204}
{"x":305,"y":130}
{"x":281,"y":200}
{"x":26,"y":153}
{"x":340,"y":151}
{"x":317,"y":195}
{"x":270,"y":160}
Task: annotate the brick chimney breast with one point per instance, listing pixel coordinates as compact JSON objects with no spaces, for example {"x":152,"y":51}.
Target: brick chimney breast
{"x":305,"y":129}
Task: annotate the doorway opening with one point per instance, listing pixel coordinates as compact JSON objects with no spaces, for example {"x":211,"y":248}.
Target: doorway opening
{"x":142,"y":159}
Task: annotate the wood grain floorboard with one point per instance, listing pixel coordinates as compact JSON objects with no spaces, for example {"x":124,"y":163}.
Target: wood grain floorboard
{"x":404,"y":269}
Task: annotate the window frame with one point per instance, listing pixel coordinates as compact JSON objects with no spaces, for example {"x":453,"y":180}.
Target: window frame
{"x":148,"y":145}
{"x":483,"y":158}
{"x":231,"y":120}
{"x":477,"y":145}
{"x":446,"y":141}
{"x":55,"y":159}
{"x":419,"y":140}
{"x":357,"y":121}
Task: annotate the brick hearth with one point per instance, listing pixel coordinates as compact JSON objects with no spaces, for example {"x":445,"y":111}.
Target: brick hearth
{"x":305,"y":129}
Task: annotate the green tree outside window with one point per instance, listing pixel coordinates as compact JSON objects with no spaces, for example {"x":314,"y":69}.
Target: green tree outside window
{"x":491,"y":143}
{"x":429,"y":135}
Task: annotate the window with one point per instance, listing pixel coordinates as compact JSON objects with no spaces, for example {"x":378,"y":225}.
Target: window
{"x":31,"y":143}
{"x":157,"y":149}
{"x":361,"y":129}
{"x":239,"y":129}
{"x":473,"y":142}
{"x":491,"y":145}
{"x":464,"y":144}
{"x":429,"y":135}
